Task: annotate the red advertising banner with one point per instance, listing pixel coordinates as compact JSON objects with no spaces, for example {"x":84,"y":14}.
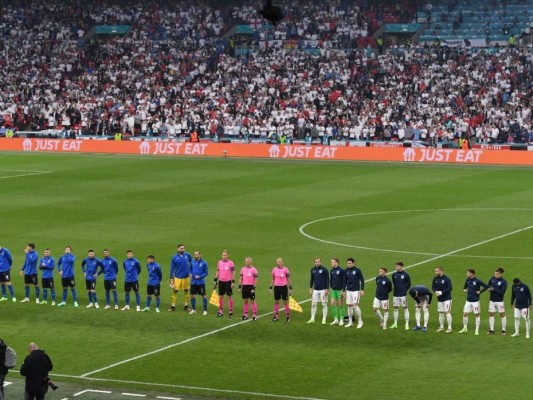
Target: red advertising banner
{"x":274,"y":151}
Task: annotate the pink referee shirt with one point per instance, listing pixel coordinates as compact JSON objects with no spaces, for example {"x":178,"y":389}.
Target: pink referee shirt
{"x":248,"y":275}
{"x":280,"y":276}
{"x":225,"y":270}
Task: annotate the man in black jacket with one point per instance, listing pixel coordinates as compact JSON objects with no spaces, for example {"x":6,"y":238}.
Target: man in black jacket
{"x":35,"y":368}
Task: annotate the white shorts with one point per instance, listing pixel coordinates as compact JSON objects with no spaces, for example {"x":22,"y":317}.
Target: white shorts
{"x":444,"y":306}
{"x":399,"y":301}
{"x":424,"y":302}
{"x":319,"y":296}
{"x":521,"y":312}
{"x":353,"y":297}
{"x":496,"y":306}
{"x":381,"y":304}
{"x":471,"y":306}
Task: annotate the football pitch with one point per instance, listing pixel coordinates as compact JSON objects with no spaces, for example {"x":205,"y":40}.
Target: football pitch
{"x":458,"y":217}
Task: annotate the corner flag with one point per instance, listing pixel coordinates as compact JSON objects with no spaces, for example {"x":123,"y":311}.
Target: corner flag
{"x":214,"y":298}
{"x":293,"y":305}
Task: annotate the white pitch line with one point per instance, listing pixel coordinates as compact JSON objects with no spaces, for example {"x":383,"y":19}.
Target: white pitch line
{"x":86,"y":375}
{"x":133,"y":394}
{"x":91,"y":391}
{"x":302,"y":232}
{"x":27,"y":173}
{"x":168,"y":398}
{"x":164,"y":385}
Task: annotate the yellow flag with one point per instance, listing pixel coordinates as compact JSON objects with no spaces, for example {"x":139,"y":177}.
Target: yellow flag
{"x":293,"y":305}
{"x":214,"y":298}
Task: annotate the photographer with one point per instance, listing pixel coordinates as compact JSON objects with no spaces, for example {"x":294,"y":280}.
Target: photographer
{"x":35,"y":368}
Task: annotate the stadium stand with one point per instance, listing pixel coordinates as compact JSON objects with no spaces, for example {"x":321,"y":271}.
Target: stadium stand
{"x":166,"y":68}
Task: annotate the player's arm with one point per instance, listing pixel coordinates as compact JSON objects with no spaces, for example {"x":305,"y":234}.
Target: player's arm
{"x":271,"y":282}
{"x":289,"y":282}
{"x":430,"y":297}
{"x":311,"y":281}
{"x":114,"y":265}
{"x":256,"y":279}
{"x":232,"y":276}
{"x":327,"y":281}
{"x":159,"y":274}
{"x":362,"y":282}
{"x":465,"y":287}
{"x":407,"y":282}
{"x":512,"y":298}
{"x":240,"y":280}
{"x":483,"y":285}
{"x":205,"y":270}
{"x":389,"y":285}
{"x":138,"y":267}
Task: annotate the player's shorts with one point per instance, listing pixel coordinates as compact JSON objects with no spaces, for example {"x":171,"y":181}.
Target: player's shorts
{"x":471,"y":306}
{"x":399,"y":301}
{"x":5,"y":276}
{"x":68,"y":282}
{"x":153,"y":290}
{"x":352,"y":297}
{"x":31,"y":279}
{"x":110,"y":285}
{"x":380,"y":304}
{"x":281,"y":292}
{"x":336,"y":294}
{"x":198,"y":289}
{"x":90,"y":285}
{"x":247,"y":293}
{"x":424,"y":302}
{"x":319,"y":296}
{"x":224,"y":287}
{"x":181,"y":283}
{"x":521,"y":312}
{"x":129,"y":286}
{"x":48,"y":283}
{"x":496,"y":306}
{"x":444,"y":306}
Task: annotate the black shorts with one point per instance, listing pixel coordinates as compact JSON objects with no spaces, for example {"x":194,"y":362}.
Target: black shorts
{"x":225,"y":288}
{"x":129,"y":286}
{"x":90,"y":285}
{"x":281,"y":292}
{"x":110,"y":285}
{"x":198,"y":289}
{"x":68,"y":282}
{"x":5,"y":276}
{"x":31,"y":279}
{"x":153,"y":290}
{"x":48,"y":283}
{"x":247,"y":292}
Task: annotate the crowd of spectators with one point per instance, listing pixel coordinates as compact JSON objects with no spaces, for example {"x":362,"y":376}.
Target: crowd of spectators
{"x":177,"y":72}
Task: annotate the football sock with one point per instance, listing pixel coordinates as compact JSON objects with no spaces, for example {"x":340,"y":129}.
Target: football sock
{"x":64,"y":295}
{"x":324,"y":310}
{"x":449,"y":320}
{"x":357,"y":312}
{"x":417,"y":316}
{"x":245,"y":309}
{"x":441,"y":320}
{"x":204,"y":302}
{"x":426,"y":317}
{"x":74,"y":294}
{"x":334,"y":311}
{"x":385,"y":318}
{"x":94,"y":297}
{"x":137,"y":298}
{"x":45,"y":294}
{"x":193,"y":303}
{"x":504,"y":323}
{"x":148,"y":301}
{"x":187,"y":296}
{"x":37,"y":292}
{"x":395,"y":315}
{"x":378,"y":313}
{"x":276,"y":309}
{"x":157,"y":302}
{"x":11,"y":290}
{"x":107,"y":297}
{"x":478,"y":322}
{"x":528,"y":325}
{"x":230,"y":304}
{"x":127,"y":299}
{"x":287,"y":310}
{"x":406,"y":314}
{"x":53,"y":294}
{"x":313,"y":310}
{"x":465,"y":322}
{"x":341,"y":312}
{"x":26,"y":291}
{"x":517,"y":325}
{"x":491,"y":323}
{"x":254,"y":308}
{"x":221,"y":303}
{"x":173,"y":297}
{"x":3,"y":287}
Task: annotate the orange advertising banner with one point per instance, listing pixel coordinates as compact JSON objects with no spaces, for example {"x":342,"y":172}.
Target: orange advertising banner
{"x":273,"y":151}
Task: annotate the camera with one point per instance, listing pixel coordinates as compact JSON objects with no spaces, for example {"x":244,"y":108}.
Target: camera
{"x":271,"y":12}
{"x":52,"y":385}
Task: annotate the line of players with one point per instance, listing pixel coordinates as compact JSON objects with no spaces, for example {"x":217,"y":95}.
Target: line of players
{"x":345,"y":286}
{"x":348,"y":286}
{"x":187,"y":273}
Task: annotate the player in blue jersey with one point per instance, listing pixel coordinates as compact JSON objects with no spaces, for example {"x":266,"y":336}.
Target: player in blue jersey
{"x":47,"y":266}
{"x":402,"y":282}
{"x":497,"y":289}
{"x":6,"y":261}
{"x":381,"y":300}
{"x":91,"y":267}
{"x":110,"y":270}
{"x":29,"y":270}
{"x":442,"y":287}
{"x":337,"y":282}
{"x":65,"y":265}
{"x":473,"y":288}
{"x":422,"y":297}
{"x":180,"y":276}
{"x":199,"y":271}
{"x":154,"y":283}
{"x":319,"y":289}
{"x":132,"y":269}
{"x":354,"y":289}
{"x":521,"y":298}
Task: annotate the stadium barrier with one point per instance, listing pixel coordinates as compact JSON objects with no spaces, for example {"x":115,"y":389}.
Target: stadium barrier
{"x":274,"y":151}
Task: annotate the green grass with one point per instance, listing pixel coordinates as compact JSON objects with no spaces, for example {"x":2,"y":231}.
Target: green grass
{"x":422,"y":215}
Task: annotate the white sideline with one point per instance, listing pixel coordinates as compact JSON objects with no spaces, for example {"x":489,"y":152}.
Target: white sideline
{"x":86,"y":375}
{"x":26,"y":173}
